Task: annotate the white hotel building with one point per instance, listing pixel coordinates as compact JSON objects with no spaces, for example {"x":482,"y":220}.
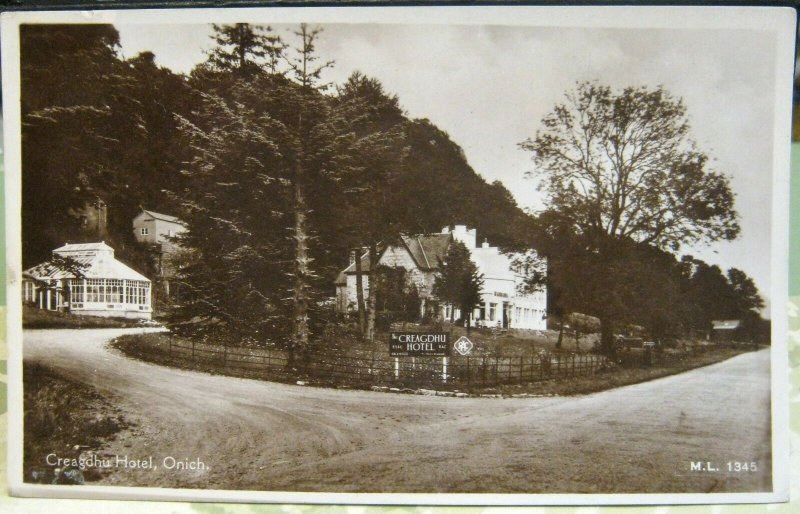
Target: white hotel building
{"x":502,"y":306}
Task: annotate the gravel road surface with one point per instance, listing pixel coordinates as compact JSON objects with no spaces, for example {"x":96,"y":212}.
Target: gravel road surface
{"x":257,"y":435}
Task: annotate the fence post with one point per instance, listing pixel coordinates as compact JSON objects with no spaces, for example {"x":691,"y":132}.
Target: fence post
{"x":573,"y":364}
{"x":521,"y":367}
{"x":483,"y":372}
{"x":469,"y":381}
{"x":444,"y":370}
{"x":397,"y":368}
{"x":225,"y":355}
{"x":532,"y":361}
{"x":170,"y":346}
{"x":495,"y":372}
{"x":192,"y":350}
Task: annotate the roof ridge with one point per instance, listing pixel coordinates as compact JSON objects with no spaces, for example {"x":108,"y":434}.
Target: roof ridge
{"x":422,"y":249}
{"x":155,"y":214}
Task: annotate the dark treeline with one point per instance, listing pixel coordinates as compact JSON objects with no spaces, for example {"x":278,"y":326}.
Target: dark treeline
{"x":279,"y":176}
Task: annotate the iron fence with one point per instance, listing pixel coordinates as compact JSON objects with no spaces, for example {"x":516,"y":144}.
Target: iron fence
{"x":364,"y":367}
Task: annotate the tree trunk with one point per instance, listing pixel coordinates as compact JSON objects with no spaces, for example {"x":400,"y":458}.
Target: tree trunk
{"x":362,"y":318}
{"x":302,"y":272}
{"x":372,"y":296}
{"x":607,"y":344}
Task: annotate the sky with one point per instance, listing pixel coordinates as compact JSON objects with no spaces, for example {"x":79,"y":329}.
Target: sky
{"x":488,"y":87}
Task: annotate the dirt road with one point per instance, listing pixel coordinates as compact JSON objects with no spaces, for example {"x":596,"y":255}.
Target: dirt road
{"x":266,"y":436}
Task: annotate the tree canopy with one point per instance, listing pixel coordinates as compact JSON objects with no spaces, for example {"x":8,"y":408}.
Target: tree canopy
{"x":623,"y":163}
{"x":624,"y":182}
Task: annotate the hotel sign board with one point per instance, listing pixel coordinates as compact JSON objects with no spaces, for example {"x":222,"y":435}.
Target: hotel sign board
{"x":419,"y":344}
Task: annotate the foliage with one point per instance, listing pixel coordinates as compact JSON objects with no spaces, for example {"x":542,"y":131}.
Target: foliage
{"x":370,"y":214}
{"x":279,"y":176}
{"x":622,"y":163}
{"x":245,"y":49}
{"x":397,"y":297}
{"x":459,"y":282}
{"x":94,"y":126}
{"x":236,"y":277}
{"x":624,"y":183}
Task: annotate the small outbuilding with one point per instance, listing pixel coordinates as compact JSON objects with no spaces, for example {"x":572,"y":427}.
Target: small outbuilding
{"x":150,"y":227}
{"x":726,"y":330}
{"x":86,"y":279}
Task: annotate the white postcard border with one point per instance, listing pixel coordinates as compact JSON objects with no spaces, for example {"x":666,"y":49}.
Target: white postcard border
{"x":780,"y":21}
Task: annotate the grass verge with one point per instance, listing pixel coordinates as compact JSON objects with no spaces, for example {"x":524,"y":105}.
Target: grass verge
{"x":621,"y":376}
{"x":67,"y":419}
{"x":38,"y":318}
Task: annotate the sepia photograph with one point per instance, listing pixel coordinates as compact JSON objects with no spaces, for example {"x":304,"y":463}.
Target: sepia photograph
{"x":485,"y":255}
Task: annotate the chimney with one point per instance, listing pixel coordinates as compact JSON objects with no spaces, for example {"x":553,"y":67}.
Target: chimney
{"x":468,"y":237}
{"x":352,"y":256}
{"x":485,"y":243}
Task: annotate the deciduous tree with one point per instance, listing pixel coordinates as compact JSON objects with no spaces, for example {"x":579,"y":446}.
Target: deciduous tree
{"x":620,"y":167}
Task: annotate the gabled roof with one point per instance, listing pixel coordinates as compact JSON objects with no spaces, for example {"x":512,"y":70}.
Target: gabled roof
{"x":428,"y":250}
{"x":163,"y":217}
{"x":341,"y":280}
{"x":96,"y":260}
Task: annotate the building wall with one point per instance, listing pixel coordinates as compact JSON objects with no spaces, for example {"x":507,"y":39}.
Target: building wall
{"x":55,"y":297}
{"x":394,"y":257}
{"x":501,"y":284}
{"x":158,"y":231}
{"x":398,"y":257}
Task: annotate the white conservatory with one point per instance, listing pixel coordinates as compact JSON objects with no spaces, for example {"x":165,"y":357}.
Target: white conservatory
{"x":97,"y":284}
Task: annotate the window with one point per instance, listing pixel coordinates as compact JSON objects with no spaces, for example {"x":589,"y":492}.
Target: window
{"x":492,"y":311}
{"x":95,"y":290}
{"x":113,"y":291}
{"x":144,"y":231}
{"x":76,"y":290}
{"x":137,"y":292}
